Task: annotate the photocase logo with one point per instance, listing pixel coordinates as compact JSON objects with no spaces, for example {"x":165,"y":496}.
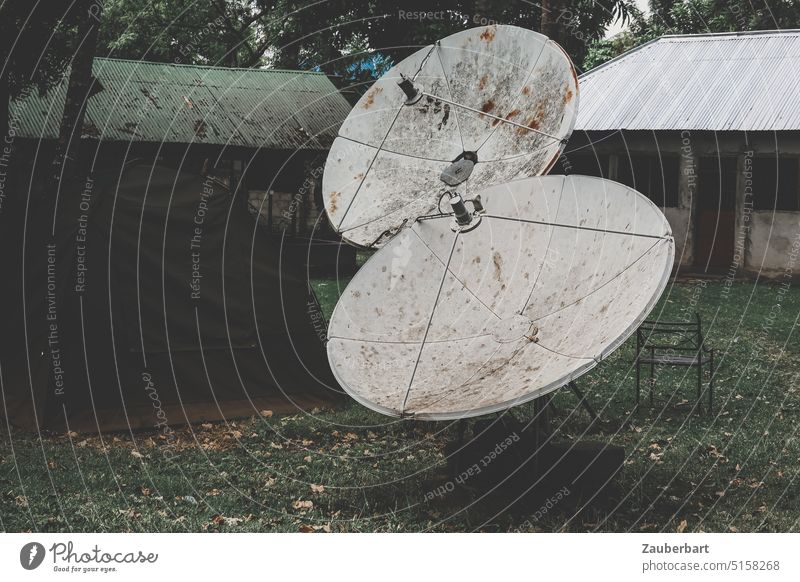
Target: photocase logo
{"x":31,"y":555}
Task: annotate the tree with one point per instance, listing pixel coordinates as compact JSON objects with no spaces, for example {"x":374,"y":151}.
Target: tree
{"x":694,"y":17}
{"x":35,"y":47}
{"x":354,"y":40}
{"x":202,"y":32}
{"x":80,"y":88}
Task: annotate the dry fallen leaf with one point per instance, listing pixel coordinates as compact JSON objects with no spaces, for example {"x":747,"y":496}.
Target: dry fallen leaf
{"x":302,"y":504}
{"x":317,"y":488}
{"x":305,"y":528}
{"x":137,"y":454}
{"x":266,"y":413}
{"x":682,"y":526}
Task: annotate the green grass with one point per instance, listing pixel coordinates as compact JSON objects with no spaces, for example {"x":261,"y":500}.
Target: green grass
{"x":734,"y":470}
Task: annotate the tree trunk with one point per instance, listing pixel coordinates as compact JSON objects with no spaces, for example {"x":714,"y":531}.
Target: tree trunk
{"x":549,"y":25}
{"x":79,"y":89}
{"x":5,"y":104}
{"x":5,"y":90}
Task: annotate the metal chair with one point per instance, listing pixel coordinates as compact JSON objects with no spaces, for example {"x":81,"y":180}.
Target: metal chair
{"x":664,"y":343}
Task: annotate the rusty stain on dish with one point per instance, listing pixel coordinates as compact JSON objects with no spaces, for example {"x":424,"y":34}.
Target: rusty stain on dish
{"x":488,"y":34}
{"x":534,"y":121}
{"x":482,"y":82}
{"x":511,"y":114}
{"x":334,"y":197}
{"x":487,"y":106}
{"x":370,"y":101}
{"x":526,"y":90}
{"x":568,"y":96}
{"x":497,"y":259}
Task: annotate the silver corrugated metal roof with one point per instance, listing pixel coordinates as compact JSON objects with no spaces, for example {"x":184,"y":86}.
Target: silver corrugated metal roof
{"x":718,"y":82}
{"x":158,"y":102}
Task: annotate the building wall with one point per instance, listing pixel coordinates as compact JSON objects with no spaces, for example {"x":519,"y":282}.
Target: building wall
{"x":765,"y":242}
{"x":775,"y":244}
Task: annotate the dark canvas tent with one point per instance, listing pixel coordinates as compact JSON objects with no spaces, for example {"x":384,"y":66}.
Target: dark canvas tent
{"x":151,"y":297}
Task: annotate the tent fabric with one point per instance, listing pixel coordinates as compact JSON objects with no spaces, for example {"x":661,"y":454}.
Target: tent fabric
{"x":157,"y":302}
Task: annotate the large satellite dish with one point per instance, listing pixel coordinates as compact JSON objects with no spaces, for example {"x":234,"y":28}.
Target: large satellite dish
{"x":442,"y":325}
{"x":487,"y":291}
{"x":488,"y":104}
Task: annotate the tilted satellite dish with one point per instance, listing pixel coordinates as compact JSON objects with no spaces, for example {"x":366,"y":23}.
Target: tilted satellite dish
{"x":441,"y":324}
{"x":482,"y":107}
{"x":512,"y":288}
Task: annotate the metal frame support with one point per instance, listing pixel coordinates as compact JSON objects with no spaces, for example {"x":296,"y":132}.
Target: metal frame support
{"x":583,"y":401}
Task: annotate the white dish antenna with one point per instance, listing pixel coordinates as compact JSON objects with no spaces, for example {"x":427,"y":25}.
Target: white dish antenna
{"x":441,"y":324}
{"x":487,"y":291}
{"x":483,"y":106}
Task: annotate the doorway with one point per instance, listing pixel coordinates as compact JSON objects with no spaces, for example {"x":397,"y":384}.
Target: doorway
{"x":715,"y":224}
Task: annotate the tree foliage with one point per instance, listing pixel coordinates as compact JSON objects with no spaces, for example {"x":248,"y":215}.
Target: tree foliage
{"x":37,"y":42}
{"x":356,"y":40}
{"x":694,"y":17}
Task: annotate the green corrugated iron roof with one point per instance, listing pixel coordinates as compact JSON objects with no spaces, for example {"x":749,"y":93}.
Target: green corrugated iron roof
{"x":161,"y":102}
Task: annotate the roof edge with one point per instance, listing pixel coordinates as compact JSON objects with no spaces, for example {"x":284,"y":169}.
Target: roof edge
{"x":690,"y":36}
{"x":734,"y":33}
{"x":215,"y":67}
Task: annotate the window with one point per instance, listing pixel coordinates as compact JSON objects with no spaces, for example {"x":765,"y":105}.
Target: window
{"x":775,"y":183}
{"x":655,"y":176}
